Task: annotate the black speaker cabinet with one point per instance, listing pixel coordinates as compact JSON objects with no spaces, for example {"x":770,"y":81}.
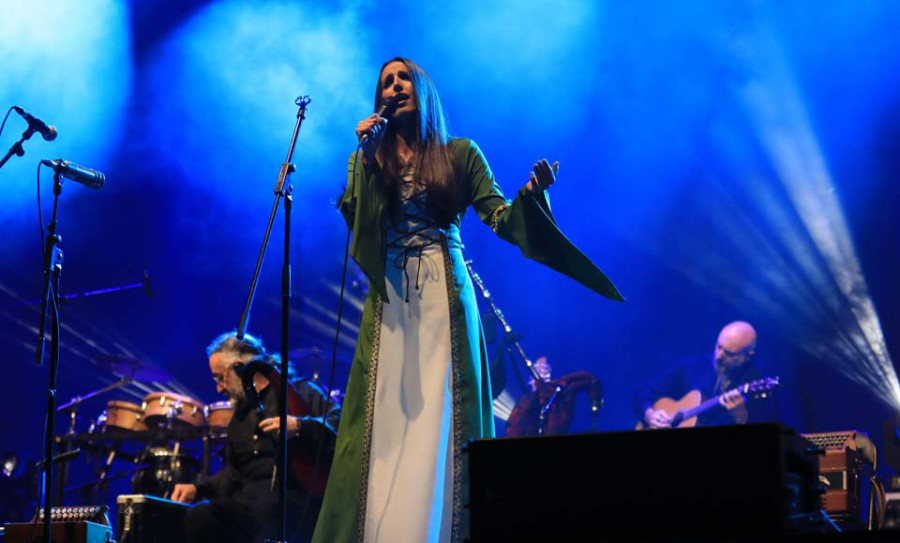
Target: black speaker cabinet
{"x":688,"y":484}
{"x":77,"y":531}
{"x":149,"y":519}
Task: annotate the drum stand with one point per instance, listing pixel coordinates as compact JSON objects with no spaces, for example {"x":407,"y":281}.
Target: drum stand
{"x":171,"y":416}
{"x":65,"y":442}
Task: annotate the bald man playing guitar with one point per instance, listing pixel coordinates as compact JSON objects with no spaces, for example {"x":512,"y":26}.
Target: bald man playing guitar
{"x":725,"y":388}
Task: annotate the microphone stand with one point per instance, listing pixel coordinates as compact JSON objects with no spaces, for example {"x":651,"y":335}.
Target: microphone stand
{"x":145,"y":284}
{"x":17,"y":148}
{"x":502,"y":320}
{"x":282,"y":190}
{"x":53,"y":258}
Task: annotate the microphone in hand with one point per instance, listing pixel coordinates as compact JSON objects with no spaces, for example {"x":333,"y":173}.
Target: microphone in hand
{"x":388,"y":106}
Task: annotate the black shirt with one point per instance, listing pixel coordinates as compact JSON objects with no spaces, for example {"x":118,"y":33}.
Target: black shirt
{"x":250,"y":452}
{"x":699,"y":373}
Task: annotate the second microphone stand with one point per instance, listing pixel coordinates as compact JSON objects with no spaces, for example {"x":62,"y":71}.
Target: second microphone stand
{"x":17,"y":148}
{"x":502,"y":320}
{"x":282,"y":190}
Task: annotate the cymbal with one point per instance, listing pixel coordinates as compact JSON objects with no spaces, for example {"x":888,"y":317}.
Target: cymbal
{"x":135,"y":368}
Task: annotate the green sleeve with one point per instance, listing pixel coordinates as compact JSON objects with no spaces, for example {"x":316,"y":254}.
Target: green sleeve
{"x":346,"y":205}
{"x":528,"y":223}
{"x":361,"y":205}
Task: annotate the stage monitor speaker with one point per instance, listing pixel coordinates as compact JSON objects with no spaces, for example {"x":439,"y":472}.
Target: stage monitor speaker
{"x":688,"y":484}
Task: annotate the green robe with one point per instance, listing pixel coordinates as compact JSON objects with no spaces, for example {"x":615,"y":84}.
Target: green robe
{"x":526,"y":222}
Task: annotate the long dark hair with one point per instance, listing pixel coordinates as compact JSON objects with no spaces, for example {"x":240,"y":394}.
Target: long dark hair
{"x":433,"y":158}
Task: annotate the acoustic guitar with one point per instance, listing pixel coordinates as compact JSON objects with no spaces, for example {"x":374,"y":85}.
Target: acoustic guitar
{"x":684,"y":412}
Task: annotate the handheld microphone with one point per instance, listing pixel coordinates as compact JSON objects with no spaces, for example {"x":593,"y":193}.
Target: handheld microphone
{"x":385,"y":111}
{"x":86,"y":176}
{"x":46,"y":132}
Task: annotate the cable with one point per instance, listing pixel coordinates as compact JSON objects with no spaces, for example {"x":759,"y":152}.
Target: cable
{"x":40,"y":208}
{"x":334,"y":349}
{"x":3,"y":124}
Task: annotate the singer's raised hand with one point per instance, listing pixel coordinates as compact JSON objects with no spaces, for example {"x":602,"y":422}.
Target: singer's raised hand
{"x":543,"y":175}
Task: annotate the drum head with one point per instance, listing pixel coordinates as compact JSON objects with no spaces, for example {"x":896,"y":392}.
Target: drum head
{"x":172,"y":410}
{"x":124,"y":416}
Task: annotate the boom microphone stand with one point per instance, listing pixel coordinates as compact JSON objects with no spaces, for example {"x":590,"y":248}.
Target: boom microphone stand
{"x":34,"y":125}
{"x":17,"y":148}
{"x":282,"y":190}
{"x":502,"y":320}
{"x":145,"y":284}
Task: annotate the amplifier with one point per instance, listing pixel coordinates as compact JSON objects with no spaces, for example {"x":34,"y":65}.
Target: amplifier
{"x":143,"y":518}
{"x":839,"y":471}
{"x":82,"y":531}
{"x":68,"y":513}
{"x":688,"y":484}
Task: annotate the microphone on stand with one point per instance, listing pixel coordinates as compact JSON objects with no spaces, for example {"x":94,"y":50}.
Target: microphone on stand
{"x":86,"y":176}
{"x":148,"y":288}
{"x":385,"y":111}
{"x":39,"y":126}
{"x":595,"y":393}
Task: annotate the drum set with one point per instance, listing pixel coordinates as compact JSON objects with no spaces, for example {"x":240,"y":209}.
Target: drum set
{"x":166,"y":439}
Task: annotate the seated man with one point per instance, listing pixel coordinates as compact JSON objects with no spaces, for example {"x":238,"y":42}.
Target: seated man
{"x":700,"y":378}
{"x":242,"y":499}
{"x":549,"y":408}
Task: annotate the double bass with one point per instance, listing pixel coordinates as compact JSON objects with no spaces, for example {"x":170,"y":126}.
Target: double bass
{"x":309,"y":461}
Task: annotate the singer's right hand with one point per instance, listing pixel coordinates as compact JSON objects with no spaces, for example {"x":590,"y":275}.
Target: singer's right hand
{"x":372,"y":126}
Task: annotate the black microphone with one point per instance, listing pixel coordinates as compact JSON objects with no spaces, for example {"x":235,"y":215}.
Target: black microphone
{"x":47,"y":132}
{"x":386,"y":111}
{"x":148,"y":288}
{"x":86,"y":176}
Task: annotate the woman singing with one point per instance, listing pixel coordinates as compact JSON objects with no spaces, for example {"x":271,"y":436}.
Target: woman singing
{"x":418,"y":386}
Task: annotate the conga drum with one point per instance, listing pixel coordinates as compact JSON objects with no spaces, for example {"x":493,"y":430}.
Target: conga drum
{"x":124,"y":416}
{"x":218,"y":416}
{"x":168,"y":409}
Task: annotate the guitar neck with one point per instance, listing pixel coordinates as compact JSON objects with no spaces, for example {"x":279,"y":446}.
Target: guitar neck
{"x":705,"y":406}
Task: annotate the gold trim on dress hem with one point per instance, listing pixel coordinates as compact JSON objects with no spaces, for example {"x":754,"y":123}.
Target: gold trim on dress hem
{"x":454,"y":305}
{"x":366,"y":451}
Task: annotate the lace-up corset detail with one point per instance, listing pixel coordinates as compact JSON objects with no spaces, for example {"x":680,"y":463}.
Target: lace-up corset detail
{"x":411,"y":225}
{"x":412,"y":228}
